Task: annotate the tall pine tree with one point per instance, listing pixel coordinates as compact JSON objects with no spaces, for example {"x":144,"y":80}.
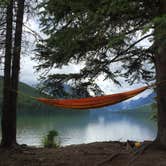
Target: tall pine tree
{"x":6,"y":121}
{"x":11,"y":72}
{"x":103,"y":34}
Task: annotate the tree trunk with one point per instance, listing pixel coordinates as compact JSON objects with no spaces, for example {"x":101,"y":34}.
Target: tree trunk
{"x":11,"y":77}
{"x":16,"y":63}
{"x":7,"y":114}
{"x":160,"y":59}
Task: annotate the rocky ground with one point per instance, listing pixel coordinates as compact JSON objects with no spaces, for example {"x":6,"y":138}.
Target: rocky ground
{"x":93,"y":154}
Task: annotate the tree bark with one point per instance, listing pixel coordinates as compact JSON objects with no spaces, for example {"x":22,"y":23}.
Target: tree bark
{"x":7,"y":114}
{"x":16,"y":63}
{"x":11,"y":77}
{"x":160,"y":59}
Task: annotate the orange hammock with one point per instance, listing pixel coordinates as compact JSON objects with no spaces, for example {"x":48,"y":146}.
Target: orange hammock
{"x":92,"y":102}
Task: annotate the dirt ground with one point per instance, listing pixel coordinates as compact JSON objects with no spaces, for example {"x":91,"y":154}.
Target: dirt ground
{"x":93,"y":154}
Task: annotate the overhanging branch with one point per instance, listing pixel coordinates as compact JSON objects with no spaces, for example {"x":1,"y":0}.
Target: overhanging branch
{"x":132,"y":45}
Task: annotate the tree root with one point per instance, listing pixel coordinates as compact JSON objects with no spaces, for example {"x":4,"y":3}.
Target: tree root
{"x":15,"y":147}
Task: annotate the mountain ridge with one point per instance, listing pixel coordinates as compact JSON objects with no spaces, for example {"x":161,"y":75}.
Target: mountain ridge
{"x":132,"y":104}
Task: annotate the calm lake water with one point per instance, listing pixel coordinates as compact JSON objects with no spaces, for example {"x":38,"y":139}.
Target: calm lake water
{"x":86,"y":126}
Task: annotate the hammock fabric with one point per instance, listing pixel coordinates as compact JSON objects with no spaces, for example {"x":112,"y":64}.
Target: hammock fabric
{"x":92,"y":102}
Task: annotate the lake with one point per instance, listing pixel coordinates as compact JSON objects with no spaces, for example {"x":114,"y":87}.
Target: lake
{"x":76,"y":127}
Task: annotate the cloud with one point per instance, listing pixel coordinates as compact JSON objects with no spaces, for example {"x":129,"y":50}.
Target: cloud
{"x":27,"y":71}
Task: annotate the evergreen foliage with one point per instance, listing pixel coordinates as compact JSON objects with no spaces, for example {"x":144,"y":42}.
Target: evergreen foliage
{"x":3,"y":2}
{"x":101,"y":34}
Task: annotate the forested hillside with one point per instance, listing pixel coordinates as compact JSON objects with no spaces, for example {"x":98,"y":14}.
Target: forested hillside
{"x":25,"y":102}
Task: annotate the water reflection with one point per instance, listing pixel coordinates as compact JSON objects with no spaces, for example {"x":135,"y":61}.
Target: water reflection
{"x":85,"y":127}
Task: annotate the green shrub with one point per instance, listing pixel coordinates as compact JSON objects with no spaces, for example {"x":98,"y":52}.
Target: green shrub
{"x":51,"y":140}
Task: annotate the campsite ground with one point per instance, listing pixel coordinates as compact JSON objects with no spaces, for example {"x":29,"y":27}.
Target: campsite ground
{"x":94,"y":154}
